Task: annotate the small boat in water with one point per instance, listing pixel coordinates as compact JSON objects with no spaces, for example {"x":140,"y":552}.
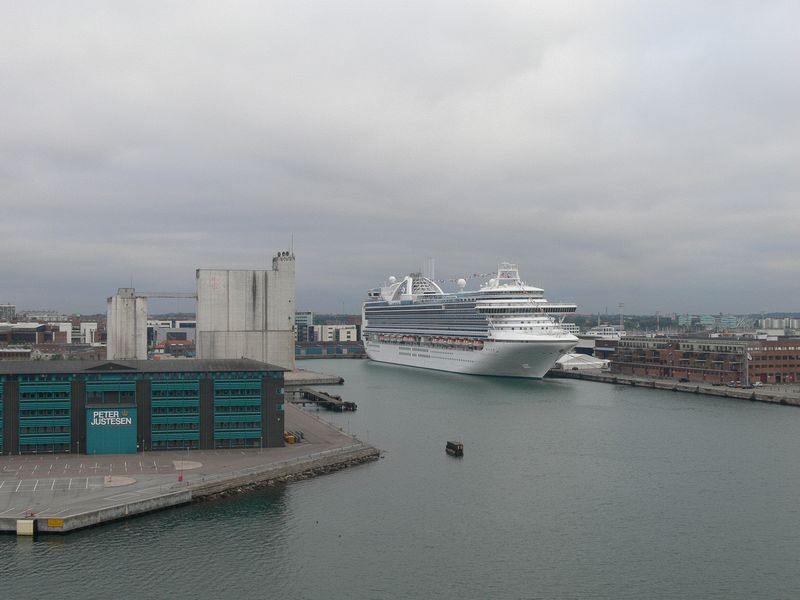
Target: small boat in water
{"x":455,"y":448}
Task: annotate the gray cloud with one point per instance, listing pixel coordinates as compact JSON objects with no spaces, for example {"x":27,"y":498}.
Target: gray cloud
{"x":619,"y":151}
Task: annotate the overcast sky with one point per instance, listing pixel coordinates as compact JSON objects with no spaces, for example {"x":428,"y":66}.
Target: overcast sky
{"x":637,"y":152}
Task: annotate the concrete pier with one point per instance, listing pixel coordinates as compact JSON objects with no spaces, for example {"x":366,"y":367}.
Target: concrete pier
{"x":62,"y":492}
{"x":301,"y":378}
{"x":770,"y":396}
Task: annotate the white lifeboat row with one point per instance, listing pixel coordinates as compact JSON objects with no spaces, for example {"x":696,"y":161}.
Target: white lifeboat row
{"x":431,"y":341}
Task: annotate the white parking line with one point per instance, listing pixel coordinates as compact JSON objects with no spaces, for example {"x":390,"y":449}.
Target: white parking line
{"x":87,"y":484}
{"x":2,"y":483}
{"x":52,"y":487}
{"x":8,"y":510}
{"x":35,"y":485}
{"x":69,"y":487}
{"x":18,"y":486}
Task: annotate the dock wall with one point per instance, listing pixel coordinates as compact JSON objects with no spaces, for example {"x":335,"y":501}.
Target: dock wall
{"x":318,"y":463}
{"x":113,"y":513}
{"x":754,"y":395}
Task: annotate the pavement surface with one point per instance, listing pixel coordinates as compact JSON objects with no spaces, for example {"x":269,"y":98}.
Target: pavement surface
{"x":60,"y":485}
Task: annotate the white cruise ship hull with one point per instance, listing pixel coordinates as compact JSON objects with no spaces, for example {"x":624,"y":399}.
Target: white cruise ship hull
{"x":528,"y":359}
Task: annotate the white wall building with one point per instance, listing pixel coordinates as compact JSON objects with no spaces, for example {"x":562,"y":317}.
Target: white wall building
{"x":64,"y":328}
{"x":247,"y":313}
{"x":127,"y":326}
{"x":334,"y":333}
{"x":89,"y":332}
{"x":571,"y":328}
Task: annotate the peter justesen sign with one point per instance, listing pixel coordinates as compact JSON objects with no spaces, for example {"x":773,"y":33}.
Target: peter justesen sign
{"x":111,"y":417}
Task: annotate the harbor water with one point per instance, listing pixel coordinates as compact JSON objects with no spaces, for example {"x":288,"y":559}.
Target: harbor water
{"x":567,"y":489}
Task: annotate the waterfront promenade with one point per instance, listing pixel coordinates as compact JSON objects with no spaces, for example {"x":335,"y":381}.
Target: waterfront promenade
{"x":63,"y":492}
{"x":773,"y":394}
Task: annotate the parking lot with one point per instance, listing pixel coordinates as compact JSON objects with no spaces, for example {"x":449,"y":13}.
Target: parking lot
{"x":49,"y":485}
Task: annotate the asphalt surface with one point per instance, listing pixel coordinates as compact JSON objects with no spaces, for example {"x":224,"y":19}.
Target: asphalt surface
{"x":59,"y":485}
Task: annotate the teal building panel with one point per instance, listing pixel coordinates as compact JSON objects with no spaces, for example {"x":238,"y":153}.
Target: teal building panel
{"x":110,"y":430}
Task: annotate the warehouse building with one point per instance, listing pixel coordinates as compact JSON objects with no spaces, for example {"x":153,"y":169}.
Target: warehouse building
{"x":118,"y":407}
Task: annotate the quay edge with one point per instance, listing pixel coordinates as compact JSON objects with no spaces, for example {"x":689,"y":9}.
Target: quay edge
{"x":753,"y":395}
{"x":244,"y":480}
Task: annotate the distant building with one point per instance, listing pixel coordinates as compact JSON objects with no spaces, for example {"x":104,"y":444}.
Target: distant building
{"x":708,"y":321}
{"x":160,"y":323}
{"x":302,"y":321}
{"x":8,"y":313}
{"x":175,"y":348}
{"x":65,"y":329}
{"x":44,"y":316}
{"x":14,"y":354}
{"x":330,"y":350}
{"x":716,"y":360}
{"x":728,"y":321}
{"x":24,"y":333}
{"x":333,"y":333}
{"x":89,"y":333}
{"x":571,"y":328}
{"x":126,"y":325}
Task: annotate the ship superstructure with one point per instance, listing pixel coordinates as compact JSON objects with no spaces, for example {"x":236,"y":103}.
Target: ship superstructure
{"x":504,"y":328}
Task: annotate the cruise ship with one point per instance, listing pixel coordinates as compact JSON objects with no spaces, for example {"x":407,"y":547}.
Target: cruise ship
{"x":505,"y":328}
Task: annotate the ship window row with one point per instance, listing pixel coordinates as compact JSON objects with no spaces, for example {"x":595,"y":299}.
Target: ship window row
{"x":444,"y":317}
{"x":412,"y":327}
{"x":498,"y":311}
{"x":477,"y":319}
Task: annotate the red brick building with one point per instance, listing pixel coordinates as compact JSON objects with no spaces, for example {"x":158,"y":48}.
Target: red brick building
{"x":717,"y":360}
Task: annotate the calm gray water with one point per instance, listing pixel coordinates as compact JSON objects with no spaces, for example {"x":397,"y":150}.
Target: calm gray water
{"x":567,"y":489}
